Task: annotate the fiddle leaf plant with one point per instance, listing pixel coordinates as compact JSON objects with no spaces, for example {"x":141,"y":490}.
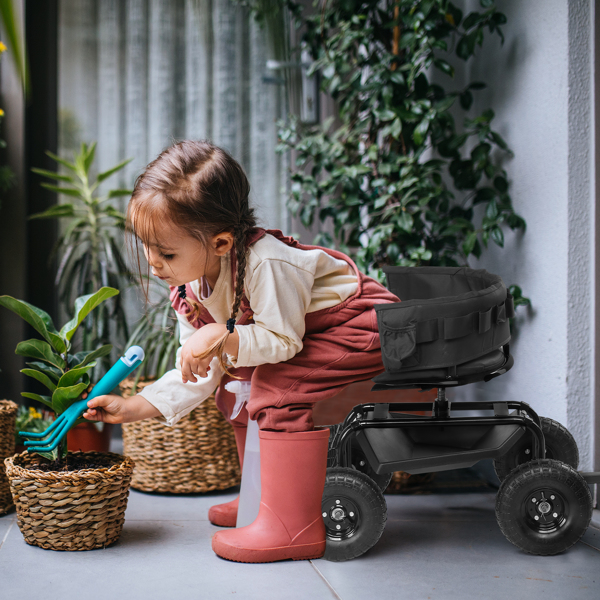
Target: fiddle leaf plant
{"x":65,"y":375}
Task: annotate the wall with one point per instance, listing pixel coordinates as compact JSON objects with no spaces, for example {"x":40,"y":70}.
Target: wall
{"x":540,"y":87}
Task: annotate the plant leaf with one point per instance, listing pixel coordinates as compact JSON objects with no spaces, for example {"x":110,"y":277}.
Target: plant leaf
{"x":62,"y":190}
{"x":43,"y":399}
{"x":89,"y":158}
{"x":83,"y":306}
{"x":62,"y":398}
{"x":63,"y":162}
{"x":40,"y":350}
{"x":118,"y":193}
{"x":106,"y":174}
{"x":40,"y":320}
{"x":41,"y":377}
{"x":53,"y":175}
{"x":72,"y":375}
{"x":55,"y":212}
{"x":52,"y":372}
{"x":84,"y":358}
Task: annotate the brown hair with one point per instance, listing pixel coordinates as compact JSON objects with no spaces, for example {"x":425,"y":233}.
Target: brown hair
{"x":204,"y":191}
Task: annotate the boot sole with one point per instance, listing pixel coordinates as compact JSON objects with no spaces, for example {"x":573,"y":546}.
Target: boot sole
{"x":265,"y":555}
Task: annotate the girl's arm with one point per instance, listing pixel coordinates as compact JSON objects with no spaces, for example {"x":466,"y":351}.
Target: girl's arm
{"x":111,"y":408}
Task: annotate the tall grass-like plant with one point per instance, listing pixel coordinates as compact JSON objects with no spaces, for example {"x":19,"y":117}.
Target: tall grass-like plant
{"x":157,"y":332}
{"x":89,"y":248}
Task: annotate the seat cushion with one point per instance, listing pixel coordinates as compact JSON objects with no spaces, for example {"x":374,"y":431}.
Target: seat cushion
{"x":482,"y":365}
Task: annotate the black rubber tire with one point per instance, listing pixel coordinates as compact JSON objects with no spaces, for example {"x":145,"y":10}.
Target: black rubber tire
{"x":554,"y":492}
{"x":356,"y":495}
{"x":560,"y":445}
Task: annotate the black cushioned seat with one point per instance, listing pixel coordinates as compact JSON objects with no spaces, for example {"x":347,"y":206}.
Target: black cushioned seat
{"x":484,"y":365}
{"x":450,"y":322}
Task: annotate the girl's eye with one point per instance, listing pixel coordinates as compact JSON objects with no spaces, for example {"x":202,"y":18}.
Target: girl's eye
{"x":167,"y":256}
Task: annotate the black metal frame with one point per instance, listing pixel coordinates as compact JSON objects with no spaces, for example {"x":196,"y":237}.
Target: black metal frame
{"x":379,"y":416}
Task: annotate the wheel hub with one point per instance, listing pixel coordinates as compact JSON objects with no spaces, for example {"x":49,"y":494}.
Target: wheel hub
{"x":341,"y":517}
{"x":546,"y":510}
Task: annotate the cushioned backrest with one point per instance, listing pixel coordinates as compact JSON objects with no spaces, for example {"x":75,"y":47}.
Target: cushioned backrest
{"x":447,"y":316}
{"x":416,"y":283}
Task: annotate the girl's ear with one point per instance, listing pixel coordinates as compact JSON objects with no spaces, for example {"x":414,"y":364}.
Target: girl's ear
{"x":222,"y":243}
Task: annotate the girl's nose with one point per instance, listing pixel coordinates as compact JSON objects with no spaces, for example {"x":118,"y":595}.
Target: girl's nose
{"x":153,"y":258}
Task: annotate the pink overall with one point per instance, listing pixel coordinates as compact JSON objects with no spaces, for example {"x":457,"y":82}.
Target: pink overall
{"x":340,"y":346}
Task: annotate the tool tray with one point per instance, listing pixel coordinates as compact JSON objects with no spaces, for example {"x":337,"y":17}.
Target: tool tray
{"x":451,"y":326}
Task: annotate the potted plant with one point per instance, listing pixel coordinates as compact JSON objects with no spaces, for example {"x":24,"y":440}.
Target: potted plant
{"x":65,"y":501}
{"x":210,"y":460}
{"x":32,"y":420}
{"x":89,"y":251}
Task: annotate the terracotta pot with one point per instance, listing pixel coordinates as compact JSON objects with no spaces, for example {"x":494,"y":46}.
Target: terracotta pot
{"x":86,"y":438}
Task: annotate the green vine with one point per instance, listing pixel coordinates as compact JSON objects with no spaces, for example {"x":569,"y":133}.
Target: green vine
{"x":395,"y":173}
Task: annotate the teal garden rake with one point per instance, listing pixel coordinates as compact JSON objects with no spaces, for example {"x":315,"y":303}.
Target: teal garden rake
{"x":48,"y":440}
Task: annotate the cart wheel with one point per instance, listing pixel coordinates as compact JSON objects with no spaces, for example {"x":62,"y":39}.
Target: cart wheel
{"x":543,"y":507}
{"x":560,"y":445}
{"x":354,"y":512}
{"x":360,"y":463}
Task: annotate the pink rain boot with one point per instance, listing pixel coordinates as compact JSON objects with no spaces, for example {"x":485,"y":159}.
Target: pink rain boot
{"x":289,"y":522}
{"x":225,"y":515}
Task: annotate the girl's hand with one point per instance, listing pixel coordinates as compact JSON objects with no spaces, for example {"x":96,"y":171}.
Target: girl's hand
{"x":111,"y":408}
{"x":198,"y":343}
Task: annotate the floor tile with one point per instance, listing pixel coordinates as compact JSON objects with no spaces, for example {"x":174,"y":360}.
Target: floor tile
{"x":438,"y":546}
{"x":152,"y":560}
{"x":450,"y":547}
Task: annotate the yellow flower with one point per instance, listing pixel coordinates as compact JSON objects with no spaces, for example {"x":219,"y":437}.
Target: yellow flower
{"x":2,"y":47}
{"x":1,"y":113}
{"x":33,"y":413}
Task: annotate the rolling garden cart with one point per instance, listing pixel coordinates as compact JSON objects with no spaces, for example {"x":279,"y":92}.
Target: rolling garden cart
{"x":451,"y":329}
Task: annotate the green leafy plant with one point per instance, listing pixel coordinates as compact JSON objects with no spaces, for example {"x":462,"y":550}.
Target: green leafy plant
{"x":399,"y":179}
{"x":65,"y":375}
{"x":90,"y":245}
{"x":32,"y":420}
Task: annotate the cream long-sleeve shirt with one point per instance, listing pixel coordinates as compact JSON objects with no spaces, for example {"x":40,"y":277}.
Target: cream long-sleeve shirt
{"x":282,"y":284}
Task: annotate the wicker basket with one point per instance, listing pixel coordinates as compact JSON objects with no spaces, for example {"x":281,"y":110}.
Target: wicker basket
{"x":8,"y":415}
{"x":198,"y":454}
{"x":75,"y":510}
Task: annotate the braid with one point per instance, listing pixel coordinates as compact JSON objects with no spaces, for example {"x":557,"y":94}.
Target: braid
{"x":240,"y":256}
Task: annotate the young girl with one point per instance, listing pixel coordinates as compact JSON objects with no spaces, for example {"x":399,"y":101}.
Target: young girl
{"x":297,"y":321}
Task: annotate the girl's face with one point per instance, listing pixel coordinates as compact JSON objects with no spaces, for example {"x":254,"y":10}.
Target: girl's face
{"x":178,"y":258}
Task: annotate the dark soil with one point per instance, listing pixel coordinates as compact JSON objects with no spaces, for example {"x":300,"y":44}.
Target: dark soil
{"x":72,"y":462}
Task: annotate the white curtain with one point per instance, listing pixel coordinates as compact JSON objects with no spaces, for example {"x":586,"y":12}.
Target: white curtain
{"x":136,"y":75}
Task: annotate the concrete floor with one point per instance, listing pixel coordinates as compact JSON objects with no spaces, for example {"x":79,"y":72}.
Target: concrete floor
{"x":439,"y":546}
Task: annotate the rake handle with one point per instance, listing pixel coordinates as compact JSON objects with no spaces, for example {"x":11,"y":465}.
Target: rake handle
{"x":119,"y":371}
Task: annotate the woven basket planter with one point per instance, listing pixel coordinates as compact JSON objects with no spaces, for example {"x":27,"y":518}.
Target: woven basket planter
{"x":8,"y":415}
{"x":197,"y":455}
{"x":74,"y":510}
